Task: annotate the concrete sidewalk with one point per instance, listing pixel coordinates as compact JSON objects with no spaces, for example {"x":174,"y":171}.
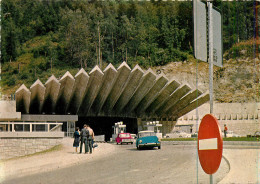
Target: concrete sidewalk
{"x":244,"y":166}
{"x":52,"y":160}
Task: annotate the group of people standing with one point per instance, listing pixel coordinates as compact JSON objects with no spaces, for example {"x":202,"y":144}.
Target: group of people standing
{"x":86,"y":137}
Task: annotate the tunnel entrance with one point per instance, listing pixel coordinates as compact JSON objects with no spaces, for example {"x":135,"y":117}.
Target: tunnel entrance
{"x":103,"y":125}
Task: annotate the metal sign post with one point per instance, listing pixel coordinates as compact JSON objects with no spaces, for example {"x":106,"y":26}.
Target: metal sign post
{"x":210,"y":64}
{"x":214,"y":42}
{"x":210,"y":56}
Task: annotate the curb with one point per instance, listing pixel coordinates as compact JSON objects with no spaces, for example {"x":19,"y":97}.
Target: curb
{"x":225,"y":143}
{"x":229,"y":167}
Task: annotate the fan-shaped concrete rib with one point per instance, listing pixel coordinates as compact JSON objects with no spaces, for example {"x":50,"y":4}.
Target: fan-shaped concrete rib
{"x":130,"y":87}
{"x":67,"y":82}
{"x":145,"y":85}
{"x":174,"y":98}
{"x":79,"y":89}
{"x":110,"y":74}
{"x":37,"y":97}
{"x":163,"y":96}
{"x":193,"y":105}
{"x":94,"y":84}
{"x":22,"y":96}
{"x":151,"y":95}
{"x":51,"y":95}
{"x":120,"y":92}
{"x":188,"y":98}
{"x":123,"y":74}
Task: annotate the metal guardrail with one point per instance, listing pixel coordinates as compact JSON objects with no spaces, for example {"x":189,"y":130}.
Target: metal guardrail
{"x":99,"y":138}
{"x":10,"y":126}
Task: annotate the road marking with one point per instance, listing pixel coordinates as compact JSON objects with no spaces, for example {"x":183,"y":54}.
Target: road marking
{"x":208,"y":144}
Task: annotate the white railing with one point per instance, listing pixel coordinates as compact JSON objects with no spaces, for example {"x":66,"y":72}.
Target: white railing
{"x":10,"y":126}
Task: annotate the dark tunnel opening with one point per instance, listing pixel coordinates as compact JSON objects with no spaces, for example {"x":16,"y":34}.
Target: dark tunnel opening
{"x":103,"y":125}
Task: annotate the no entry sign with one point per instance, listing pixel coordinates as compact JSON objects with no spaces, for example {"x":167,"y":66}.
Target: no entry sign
{"x":210,"y":144}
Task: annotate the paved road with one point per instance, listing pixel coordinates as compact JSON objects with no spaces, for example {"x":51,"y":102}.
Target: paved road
{"x":172,"y":164}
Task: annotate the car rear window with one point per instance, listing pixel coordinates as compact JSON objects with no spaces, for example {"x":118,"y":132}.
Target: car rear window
{"x":124,"y":135}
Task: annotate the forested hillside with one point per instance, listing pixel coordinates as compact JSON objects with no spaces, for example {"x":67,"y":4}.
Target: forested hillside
{"x":39,"y":38}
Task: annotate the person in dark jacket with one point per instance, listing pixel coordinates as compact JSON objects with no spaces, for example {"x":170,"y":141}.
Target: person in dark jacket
{"x":76,"y":139}
{"x":84,"y":134}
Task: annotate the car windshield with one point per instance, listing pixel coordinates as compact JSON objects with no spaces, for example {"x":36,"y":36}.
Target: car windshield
{"x":124,"y":135}
{"x":144,"y":134}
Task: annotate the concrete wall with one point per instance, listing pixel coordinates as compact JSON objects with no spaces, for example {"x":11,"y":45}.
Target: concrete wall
{"x":14,"y":144}
{"x":167,"y":126}
{"x":8,"y":111}
{"x":7,"y":106}
{"x":242,"y":119}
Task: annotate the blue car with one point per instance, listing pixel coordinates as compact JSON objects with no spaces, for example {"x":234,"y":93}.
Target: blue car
{"x":147,"y":139}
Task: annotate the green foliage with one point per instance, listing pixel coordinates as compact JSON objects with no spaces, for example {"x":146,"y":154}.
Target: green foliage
{"x":83,"y":34}
{"x":23,"y":76}
{"x":41,"y":36}
{"x":10,"y":81}
{"x":242,"y":49}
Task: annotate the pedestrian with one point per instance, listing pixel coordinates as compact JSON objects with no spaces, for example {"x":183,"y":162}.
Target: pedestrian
{"x":225,"y":130}
{"x":76,"y":136}
{"x":84,"y":134}
{"x":91,"y":138}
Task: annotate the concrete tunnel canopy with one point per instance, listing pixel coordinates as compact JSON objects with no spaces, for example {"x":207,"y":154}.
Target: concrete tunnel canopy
{"x":122,"y":92}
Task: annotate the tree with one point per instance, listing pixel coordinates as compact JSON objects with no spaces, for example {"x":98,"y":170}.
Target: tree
{"x":77,"y":38}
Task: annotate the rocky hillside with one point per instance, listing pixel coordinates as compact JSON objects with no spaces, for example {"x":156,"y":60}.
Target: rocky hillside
{"x":236,"y":81}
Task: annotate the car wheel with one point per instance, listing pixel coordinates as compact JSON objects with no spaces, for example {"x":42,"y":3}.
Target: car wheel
{"x":121,"y":143}
{"x":138,"y":147}
{"x":159,"y":147}
{"x":117,"y":143}
{"x":131,"y":142}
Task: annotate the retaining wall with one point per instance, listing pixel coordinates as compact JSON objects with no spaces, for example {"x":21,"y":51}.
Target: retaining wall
{"x":242,"y":119}
{"x":15,"y":144}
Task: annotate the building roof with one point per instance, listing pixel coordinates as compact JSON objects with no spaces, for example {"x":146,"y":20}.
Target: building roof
{"x":122,"y":92}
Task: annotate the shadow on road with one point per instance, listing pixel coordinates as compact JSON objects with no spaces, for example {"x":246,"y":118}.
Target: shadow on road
{"x":143,"y":149}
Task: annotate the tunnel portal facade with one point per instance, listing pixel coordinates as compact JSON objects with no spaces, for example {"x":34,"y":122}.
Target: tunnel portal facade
{"x":105,"y":97}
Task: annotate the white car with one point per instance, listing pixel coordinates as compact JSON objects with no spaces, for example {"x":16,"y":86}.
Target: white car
{"x":178,"y":134}
{"x":230,"y":133}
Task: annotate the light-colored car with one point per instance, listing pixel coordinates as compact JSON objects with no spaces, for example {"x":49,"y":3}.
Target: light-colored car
{"x":230,"y":133}
{"x":133,"y":136}
{"x":257,"y":134}
{"x":178,"y":134}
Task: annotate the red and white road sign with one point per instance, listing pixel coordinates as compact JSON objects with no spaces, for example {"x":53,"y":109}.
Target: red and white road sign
{"x":210,"y":144}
